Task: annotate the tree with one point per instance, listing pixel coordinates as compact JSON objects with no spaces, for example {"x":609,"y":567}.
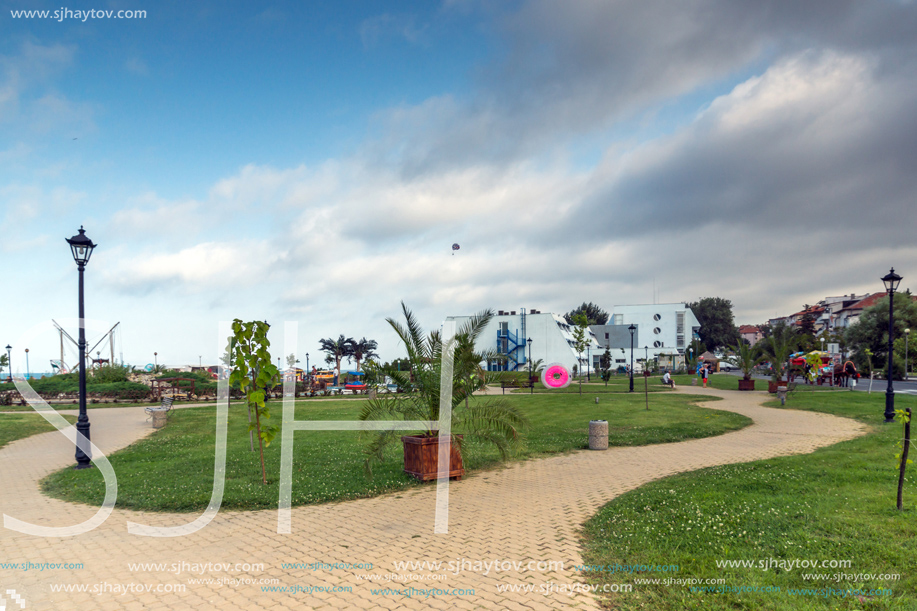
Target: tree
{"x":778,"y":347}
{"x":594,"y":314}
{"x":605,"y":365}
{"x":492,"y":420}
{"x":253,"y":372}
{"x":363,"y":349}
{"x":337,"y":349}
{"x":745,"y":358}
{"x":579,"y":339}
{"x":4,"y":362}
{"x":871,"y":331}
{"x":717,"y":325}
{"x":291,"y":361}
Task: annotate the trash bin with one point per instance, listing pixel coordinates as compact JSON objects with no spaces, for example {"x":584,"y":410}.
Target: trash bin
{"x":598,"y":434}
{"x":160,"y":416}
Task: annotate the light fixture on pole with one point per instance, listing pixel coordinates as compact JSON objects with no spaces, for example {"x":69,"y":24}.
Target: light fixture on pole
{"x":156,"y":360}
{"x":907,"y":333}
{"x":891,"y":281}
{"x":531,"y":381}
{"x":308,"y":371}
{"x":9,"y":361}
{"x":588,"y":361}
{"x":81,"y":247}
{"x":632,"y":329}
{"x":27,"y":376}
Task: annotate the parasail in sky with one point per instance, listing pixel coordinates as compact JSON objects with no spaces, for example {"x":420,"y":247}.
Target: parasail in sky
{"x":454,"y":248}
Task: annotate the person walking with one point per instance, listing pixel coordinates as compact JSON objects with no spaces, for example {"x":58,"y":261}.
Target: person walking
{"x":705,"y":372}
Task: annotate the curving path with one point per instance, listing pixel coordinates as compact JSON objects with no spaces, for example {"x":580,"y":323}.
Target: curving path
{"x":529,"y":511}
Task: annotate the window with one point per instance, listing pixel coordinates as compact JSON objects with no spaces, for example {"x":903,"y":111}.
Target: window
{"x":606,"y":336}
{"x":657,"y":344}
{"x":619,"y":319}
{"x":657,"y":317}
{"x":620,"y":360}
{"x":657,"y":330}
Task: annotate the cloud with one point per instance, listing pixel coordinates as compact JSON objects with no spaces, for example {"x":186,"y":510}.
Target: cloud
{"x":137,"y":66}
{"x":375,"y":30}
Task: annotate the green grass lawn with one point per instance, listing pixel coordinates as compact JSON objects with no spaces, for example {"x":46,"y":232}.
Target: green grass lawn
{"x":172,"y":470}
{"x":19,"y":426}
{"x":835,"y":504}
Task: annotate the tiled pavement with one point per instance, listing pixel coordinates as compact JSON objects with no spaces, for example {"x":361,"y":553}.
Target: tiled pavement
{"x":529,"y":511}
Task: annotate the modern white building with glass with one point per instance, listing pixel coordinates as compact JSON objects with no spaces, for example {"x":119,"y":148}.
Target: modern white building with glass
{"x":552,"y":340}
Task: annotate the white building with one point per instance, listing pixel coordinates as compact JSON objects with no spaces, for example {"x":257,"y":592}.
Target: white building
{"x":552,"y":339}
{"x":664,"y":328}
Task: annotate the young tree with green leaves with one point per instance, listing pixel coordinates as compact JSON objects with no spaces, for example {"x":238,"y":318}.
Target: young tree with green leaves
{"x":254,"y":373}
{"x":580,"y":340}
{"x":292,"y":361}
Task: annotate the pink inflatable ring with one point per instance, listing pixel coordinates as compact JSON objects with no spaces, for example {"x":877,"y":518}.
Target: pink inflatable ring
{"x":555,"y":375}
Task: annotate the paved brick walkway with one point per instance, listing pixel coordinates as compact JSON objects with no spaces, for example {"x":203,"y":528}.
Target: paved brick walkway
{"x":529,"y":511}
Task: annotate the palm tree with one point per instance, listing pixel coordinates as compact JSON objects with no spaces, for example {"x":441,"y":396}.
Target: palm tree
{"x":363,"y":349}
{"x":492,"y":420}
{"x":746,"y":358}
{"x":778,"y":347}
{"x":337,"y":349}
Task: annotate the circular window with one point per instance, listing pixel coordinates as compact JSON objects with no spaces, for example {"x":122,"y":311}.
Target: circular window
{"x":657,"y":330}
{"x":657,"y":316}
{"x":657,"y":344}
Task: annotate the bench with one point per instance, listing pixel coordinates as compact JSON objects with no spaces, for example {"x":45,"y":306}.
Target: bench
{"x":160,"y":414}
{"x":516,"y":384}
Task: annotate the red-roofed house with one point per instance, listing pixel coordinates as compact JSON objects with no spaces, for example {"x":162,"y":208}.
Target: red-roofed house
{"x":849,"y":315}
{"x":751,"y":334}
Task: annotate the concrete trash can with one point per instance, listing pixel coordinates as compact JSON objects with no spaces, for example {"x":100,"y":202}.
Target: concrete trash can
{"x":598,"y":434}
{"x":160,"y":417}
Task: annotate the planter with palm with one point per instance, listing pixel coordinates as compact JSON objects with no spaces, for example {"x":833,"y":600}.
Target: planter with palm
{"x":745,"y":358}
{"x":777,"y":349}
{"x":489,"y":419}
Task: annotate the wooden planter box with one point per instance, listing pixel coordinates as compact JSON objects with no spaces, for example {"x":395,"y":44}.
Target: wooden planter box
{"x":421,"y":454}
{"x":746,"y":384}
{"x":772,"y":386}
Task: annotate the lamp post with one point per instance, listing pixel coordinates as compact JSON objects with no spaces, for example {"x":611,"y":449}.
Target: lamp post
{"x":200,"y":361}
{"x":531,"y":381}
{"x":156,"y":360}
{"x":308,"y":370}
{"x":27,"y":376}
{"x":81,"y":247}
{"x":891,"y":281}
{"x":907,"y":333}
{"x":632,"y":329}
{"x":9,"y":360}
{"x":588,"y":362}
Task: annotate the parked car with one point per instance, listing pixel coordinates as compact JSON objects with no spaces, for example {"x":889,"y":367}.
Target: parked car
{"x":724,"y":366}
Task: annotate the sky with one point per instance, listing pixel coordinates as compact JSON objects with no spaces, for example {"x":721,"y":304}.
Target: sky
{"x":315,"y":162}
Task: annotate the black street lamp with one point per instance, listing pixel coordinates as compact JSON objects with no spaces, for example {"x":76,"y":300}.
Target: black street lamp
{"x":531,"y":381}
{"x":9,"y":360}
{"x":891,"y":281}
{"x":81,"y":247}
{"x":632,"y":329}
{"x":308,"y":371}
